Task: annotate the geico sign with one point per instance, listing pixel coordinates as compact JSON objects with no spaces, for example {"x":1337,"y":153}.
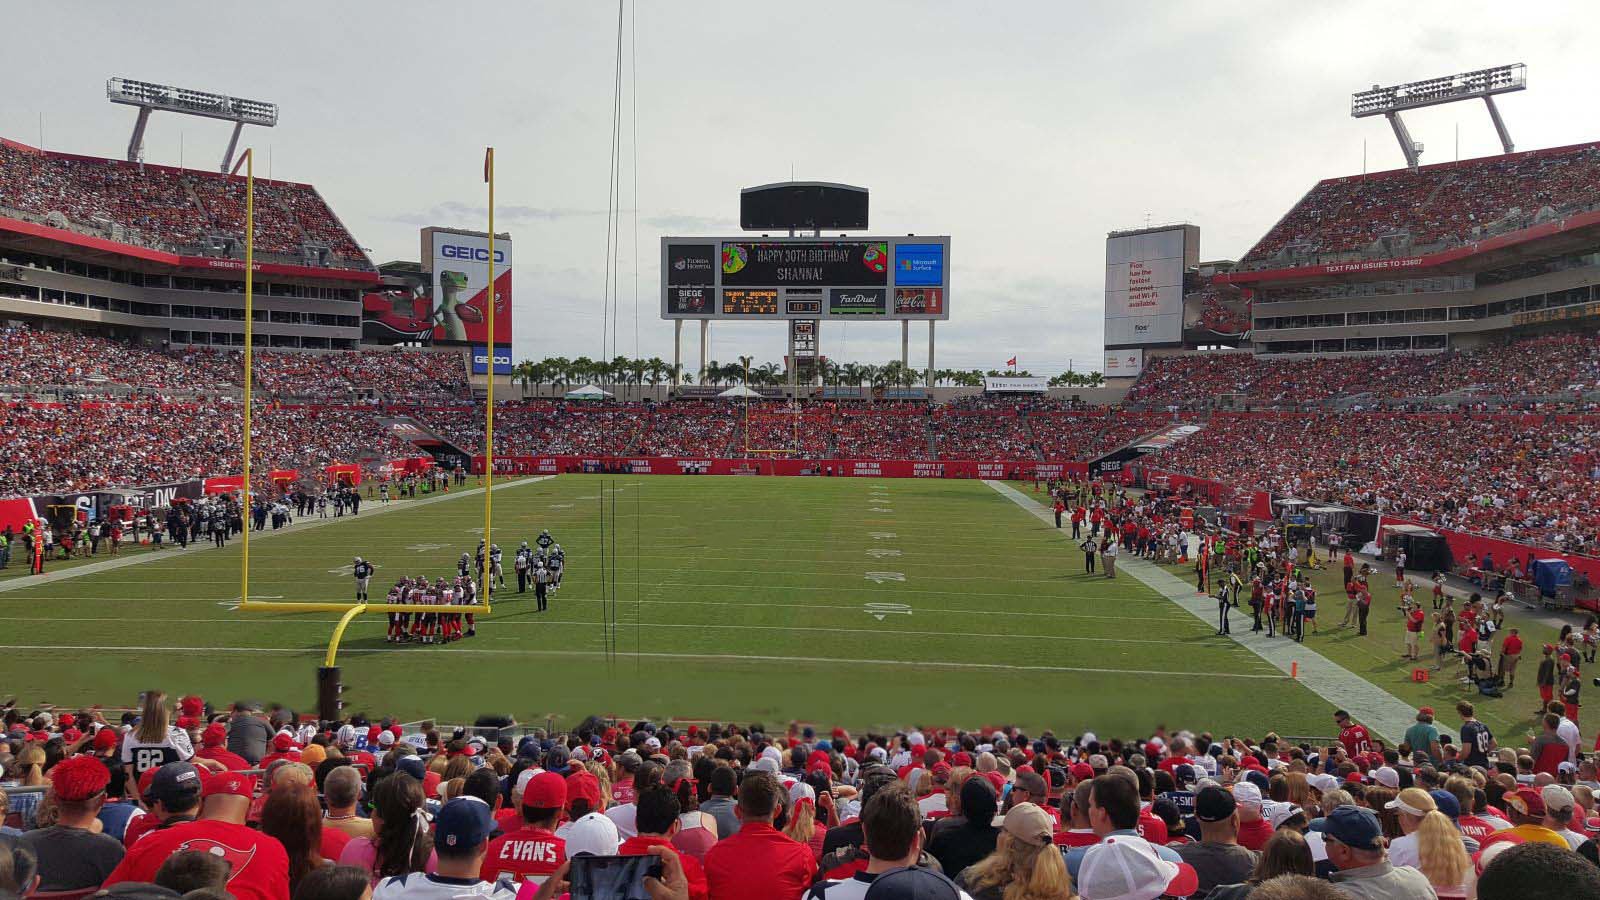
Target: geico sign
{"x":476,"y":254}
{"x":482,"y":359}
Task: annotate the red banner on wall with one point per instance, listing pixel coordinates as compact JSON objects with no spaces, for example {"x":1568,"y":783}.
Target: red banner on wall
{"x":1021,"y":469}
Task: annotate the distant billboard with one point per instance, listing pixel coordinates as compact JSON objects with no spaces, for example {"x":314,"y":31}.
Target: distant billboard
{"x":1016,"y":384}
{"x":1216,"y":313}
{"x":480,"y":360}
{"x":1123,"y":363}
{"x":461,"y":296}
{"x":805,"y":278}
{"x":1144,"y":285}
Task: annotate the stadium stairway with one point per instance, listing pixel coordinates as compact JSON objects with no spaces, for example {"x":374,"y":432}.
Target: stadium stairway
{"x":1154,"y":442}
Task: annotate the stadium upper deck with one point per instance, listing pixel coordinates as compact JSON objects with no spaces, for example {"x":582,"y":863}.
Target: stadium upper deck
{"x":157,"y":253}
{"x":163,"y":208}
{"x":1402,"y":213}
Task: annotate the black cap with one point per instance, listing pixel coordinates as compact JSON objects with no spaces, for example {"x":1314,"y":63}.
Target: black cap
{"x":1213,"y":804}
{"x":175,"y":784}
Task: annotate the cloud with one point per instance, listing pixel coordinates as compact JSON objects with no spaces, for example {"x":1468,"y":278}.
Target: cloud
{"x":675,"y":223}
{"x":510,"y":214}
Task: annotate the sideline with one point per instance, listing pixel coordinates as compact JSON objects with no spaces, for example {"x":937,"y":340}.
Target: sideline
{"x":168,"y":552}
{"x":1369,"y":704}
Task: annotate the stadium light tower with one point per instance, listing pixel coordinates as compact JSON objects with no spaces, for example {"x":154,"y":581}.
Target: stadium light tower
{"x":1483,"y":84}
{"x":149,"y":97}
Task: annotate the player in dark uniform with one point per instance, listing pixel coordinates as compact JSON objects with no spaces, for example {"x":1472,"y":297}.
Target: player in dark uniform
{"x":545,"y":540}
{"x":558,"y":561}
{"x":361,"y":570}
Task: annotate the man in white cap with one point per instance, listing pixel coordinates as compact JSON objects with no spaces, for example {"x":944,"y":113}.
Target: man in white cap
{"x":1124,"y":867}
{"x":1254,"y":829}
{"x":593,"y":834}
{"x":1558,"y":807}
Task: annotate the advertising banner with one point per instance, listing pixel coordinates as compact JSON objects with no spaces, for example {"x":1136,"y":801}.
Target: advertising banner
{"x":857,"y":302}
{"x":502,"y":360}
{"x":1030,"y":385}
{"x":461,"y":296}
{"x":1123,"y":363}
{"x":1144,"y":285}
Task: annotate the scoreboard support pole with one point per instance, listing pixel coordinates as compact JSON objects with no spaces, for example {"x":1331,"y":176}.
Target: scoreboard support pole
{"x":677,"y":350}
{"x":905,"y":343}
{"x":705,"y":328}
{"x":930,"y":353}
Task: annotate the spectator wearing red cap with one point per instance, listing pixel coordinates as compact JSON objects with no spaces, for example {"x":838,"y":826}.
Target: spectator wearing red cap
{"x":658,"y":821}
{"x":758,"y":863}
{"x":70,"y":854}
{"x":532,"y":852}
{"x":172,"y":794}
{"x":213,"y":746}
{"x":259,"y":865}
{"x":1526,"y":810}
{"x":283,"y":747}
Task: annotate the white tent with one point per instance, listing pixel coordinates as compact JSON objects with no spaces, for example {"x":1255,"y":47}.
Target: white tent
{"x":738,"y":391}
{"x":588,"y":392}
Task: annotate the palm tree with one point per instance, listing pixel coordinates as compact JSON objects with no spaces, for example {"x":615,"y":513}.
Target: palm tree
{"x":656,"y":371}
{"x":524,"y":373}
{"x":770,"y":373}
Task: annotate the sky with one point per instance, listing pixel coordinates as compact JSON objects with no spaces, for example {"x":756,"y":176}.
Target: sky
{"x":1024,"y":130}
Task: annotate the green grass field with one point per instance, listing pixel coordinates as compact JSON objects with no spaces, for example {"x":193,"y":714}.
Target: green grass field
{"x":735,"y":598}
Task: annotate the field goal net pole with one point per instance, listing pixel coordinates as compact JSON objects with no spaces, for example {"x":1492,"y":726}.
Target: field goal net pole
{"x":329,"y":686}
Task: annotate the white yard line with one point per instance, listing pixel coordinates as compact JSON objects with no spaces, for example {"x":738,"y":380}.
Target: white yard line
{"x":1373,"y":706}
{"x":697,"y":657}
{"x":498,"y":622}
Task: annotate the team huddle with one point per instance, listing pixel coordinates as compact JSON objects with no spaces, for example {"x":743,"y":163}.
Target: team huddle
{"x":540,"y":568}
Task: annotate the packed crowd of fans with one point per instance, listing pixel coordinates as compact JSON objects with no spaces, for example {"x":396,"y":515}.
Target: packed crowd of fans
{"x":1563,"y":365}
{"x":58,"y":447}
{"x":172,"y":208}
{"x":265,"y":805}
{"x":33,"y":359}
{"x":1513,"y":476}
{"x":1436,"y":203}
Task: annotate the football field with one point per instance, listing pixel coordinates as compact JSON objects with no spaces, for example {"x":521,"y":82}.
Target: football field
{"x":839,"y":601}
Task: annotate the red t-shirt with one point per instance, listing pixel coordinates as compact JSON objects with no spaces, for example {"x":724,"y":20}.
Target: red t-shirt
{"x":759,"y":863}
{"x":260,"y":865}
{"x":1511,"y":646}
{"x":233,"y":761}
{"x":1151,"y":827}
{"x":1474,"y":827}
{"x":1075,"y":839}
{"x":1253,"y":835}
{"x":1355,"y":740}
{"x":692,"y":870}
{"x":1414,"y":620}
{"x":527,"y":854}
{"x":333,"y":841}
{"x":1469,"y":640}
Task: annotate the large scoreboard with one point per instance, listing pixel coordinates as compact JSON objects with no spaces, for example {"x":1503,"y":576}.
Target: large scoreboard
{"x":860,"y":278}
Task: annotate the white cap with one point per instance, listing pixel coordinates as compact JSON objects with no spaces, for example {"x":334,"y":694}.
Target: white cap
{"x":1128,"y":868}
{"x":1556,"y":797}
{"x":522,"y":782}
{"x":801,"y":791}
{"x":1323,"y":782}
{"x":1387,"y":777}
{"x":1280,"y":813}
{"x":1245,"y":792}
{"x":593,"y":834}
{"x":385,"y":738}
{"x":652,"y":742}
{"x":765,"y":764}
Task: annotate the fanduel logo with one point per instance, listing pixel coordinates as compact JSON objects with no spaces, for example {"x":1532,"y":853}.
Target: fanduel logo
{"x":476,"y":254}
